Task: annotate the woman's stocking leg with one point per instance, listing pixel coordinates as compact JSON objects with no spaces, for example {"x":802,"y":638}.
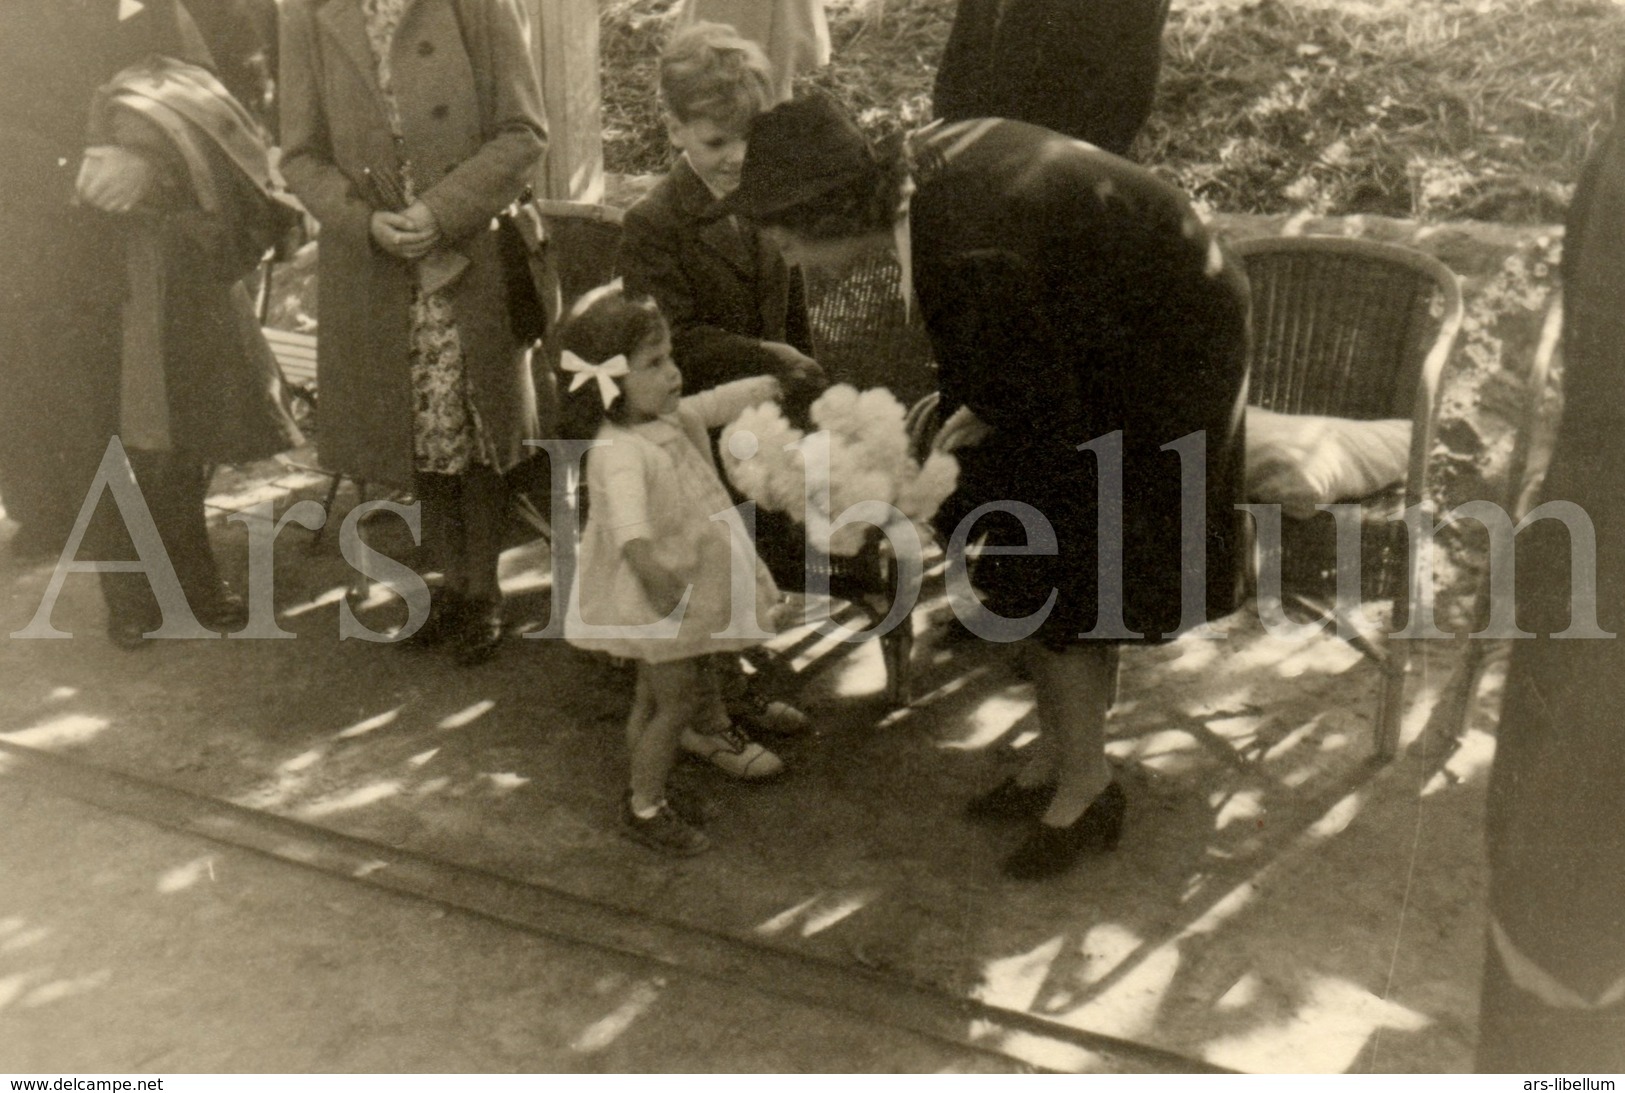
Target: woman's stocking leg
{"x":1040,"y":759}
{"x":437,"y":499}
{"x":484,"y":512}
{"x":1075,"y":689}
{"x":642,"y":709}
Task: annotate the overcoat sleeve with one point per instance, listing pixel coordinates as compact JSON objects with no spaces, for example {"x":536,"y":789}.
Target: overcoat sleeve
{"x":797,"y":321}
{"x":959,"y":91}
{"x":307,"y":151}
{"x":1086,"y":68}
{"x":994,"y":350}
{"x":511,"y":119}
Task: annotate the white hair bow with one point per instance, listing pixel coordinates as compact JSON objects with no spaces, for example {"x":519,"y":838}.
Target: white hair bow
{"x":604,"y":373}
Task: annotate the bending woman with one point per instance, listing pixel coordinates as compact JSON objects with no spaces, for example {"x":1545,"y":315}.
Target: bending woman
{"x":1085,"y":326}
{"x":406,"y":127}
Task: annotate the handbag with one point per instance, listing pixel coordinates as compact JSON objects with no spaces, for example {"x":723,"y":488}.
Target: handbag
{"x":519,"y":248}
{"x":519,"y":245}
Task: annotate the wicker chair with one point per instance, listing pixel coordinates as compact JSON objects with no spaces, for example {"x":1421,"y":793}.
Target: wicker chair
{"x":1355,"y":329}
{"x":864,"y":335}
{"x":579,"y":241}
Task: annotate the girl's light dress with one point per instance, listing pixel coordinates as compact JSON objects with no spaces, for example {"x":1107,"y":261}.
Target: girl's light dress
{"x":658,"y":481}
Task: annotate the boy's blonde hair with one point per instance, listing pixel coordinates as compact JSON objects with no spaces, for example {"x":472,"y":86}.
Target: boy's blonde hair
{"x":709,"y":71}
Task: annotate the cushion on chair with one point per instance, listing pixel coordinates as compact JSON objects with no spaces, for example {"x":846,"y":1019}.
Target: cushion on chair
{"x":1299,"y":461}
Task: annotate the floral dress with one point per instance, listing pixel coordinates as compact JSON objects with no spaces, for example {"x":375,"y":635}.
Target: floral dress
{"x":446,"y":433}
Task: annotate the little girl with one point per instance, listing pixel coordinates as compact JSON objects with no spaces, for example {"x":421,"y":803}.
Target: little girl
{"x":654,"y":542}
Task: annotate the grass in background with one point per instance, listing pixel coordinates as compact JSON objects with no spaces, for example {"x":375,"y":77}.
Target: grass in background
{"x":1436,"y":109}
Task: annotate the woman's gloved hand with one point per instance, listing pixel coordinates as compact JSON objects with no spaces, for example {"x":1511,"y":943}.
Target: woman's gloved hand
{"x":962,"y":429}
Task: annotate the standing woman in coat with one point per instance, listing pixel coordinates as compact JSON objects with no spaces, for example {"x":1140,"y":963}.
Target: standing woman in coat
{"x":407,"y":125}
{"x":1091,"y":346}
{"x":1086,"y":68}
{"x":1554,"y":976}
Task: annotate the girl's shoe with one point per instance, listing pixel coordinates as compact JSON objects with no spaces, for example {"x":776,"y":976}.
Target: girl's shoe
{"x":665,"y":831}
{"x":734,"y":752}
{"x":1010,"y":800}
{"x":1049,"y":851}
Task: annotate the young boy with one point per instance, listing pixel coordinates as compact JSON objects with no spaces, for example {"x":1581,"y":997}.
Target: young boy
{"x":734,"y":307}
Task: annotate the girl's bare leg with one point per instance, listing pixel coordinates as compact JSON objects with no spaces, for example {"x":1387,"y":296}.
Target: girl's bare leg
{"x":1041,"y":758}
{"x":674,"y":690}
{"x":642,"y":709}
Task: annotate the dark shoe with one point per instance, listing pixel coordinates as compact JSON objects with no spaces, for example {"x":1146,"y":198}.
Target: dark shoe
{"x":1050,"y":851}
{"x":1010,"y":800}
{"x":445,"y":620}
{"x":481,"y":633}
{"x":665,"y":831}
{"x":221,"y":609}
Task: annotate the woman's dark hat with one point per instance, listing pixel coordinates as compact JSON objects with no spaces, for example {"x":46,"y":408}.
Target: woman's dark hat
{"x":798,"y":151}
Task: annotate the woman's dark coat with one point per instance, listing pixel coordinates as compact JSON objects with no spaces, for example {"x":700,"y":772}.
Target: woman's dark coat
{"x":1069,"y":295}
{"x":473,"y":132}
{"x":1554,"y":982}
{"x":64,"y":278}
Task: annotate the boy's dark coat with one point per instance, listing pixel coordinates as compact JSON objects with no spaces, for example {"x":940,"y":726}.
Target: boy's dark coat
{"x":722,"y":286}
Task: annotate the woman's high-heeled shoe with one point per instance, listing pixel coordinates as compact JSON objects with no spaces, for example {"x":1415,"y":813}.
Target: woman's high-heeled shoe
{"x":446,"y":610}
{"x":1049,"y":851}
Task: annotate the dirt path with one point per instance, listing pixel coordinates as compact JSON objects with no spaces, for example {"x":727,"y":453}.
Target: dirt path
{"x":149,"y":951}
{"x":1277,"y":903}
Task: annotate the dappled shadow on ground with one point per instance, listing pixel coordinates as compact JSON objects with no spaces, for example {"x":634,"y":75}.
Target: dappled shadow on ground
{"x":1278,"y":902}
